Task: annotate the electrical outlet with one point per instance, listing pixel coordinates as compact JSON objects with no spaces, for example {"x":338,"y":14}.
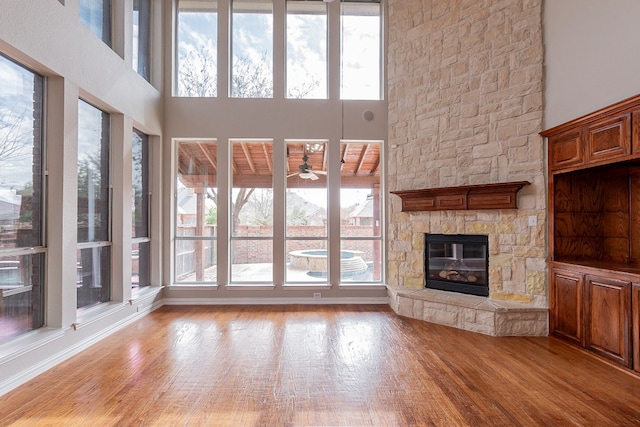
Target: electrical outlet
{"x":533,"y":220}
{"x":317,"y":295}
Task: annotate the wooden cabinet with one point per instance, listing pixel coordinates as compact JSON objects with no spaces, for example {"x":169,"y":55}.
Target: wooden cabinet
{"x":566,"y":292}
{"x":608,"y":318}
{"x":594,"y":231}
{"x":591,"y":309}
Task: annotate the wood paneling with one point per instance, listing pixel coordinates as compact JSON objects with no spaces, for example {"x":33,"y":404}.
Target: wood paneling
{"x":635,"y":329}
{"x":321,"y":365}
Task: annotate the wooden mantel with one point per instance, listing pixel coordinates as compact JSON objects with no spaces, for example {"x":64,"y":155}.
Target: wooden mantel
{"x":466,"y":197}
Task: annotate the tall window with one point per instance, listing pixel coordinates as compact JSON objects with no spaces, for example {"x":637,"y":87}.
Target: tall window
{"x":141,"y":247}
{"x":94,"y":207}
{"x":96,"y":15}
{"x":307,"y":49}
{"x":252,"y":49}
{"x":361,"y":50}
{"x":197,"y":48}
{"x":196,"y":212}
{"x":360,"y":212}
{"x":306,"y":212}
{"x":252,"y":211}
{"x":21,"y":206}
{"x":142,"y":37}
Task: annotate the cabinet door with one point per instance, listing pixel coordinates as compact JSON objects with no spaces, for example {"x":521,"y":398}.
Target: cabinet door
{"x":608,"y":315}
{"x":609,"y":139}
{"x":635,"y":314}
{"x":565,"y":317}
{"x":565,"y":150}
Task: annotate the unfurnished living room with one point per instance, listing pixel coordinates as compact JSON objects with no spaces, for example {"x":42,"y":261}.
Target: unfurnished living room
{"x":319,"y":213}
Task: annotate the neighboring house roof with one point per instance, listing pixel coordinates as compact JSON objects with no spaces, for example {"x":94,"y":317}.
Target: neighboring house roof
{"x":364,"y":210}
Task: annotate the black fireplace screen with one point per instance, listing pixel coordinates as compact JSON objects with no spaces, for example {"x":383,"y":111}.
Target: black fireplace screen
{"x":457,"y":263}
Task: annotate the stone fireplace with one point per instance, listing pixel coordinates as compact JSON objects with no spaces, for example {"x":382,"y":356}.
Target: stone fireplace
{"x":465,"y":94}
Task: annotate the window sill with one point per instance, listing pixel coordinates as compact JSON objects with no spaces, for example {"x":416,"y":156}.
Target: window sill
{"x":28,"y":342}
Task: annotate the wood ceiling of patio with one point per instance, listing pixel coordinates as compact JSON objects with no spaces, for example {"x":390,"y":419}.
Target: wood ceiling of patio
{"x":253,"y":164}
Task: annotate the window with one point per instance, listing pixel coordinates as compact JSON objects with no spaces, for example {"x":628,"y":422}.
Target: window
{"x":21,"y":201}
{"x":252,"y":49}
{"x":94,"y":207}
{"x":307,"y":49}
{"x":96,"y":15}
{"x":361,"y":43}
{"x":141,"y":245}
{"x":197,"y":48}
{"x":306,"y":212}
{"x":142,"y":37}
{"x":360,"y":212}
{"x":252,"y":211}
{"x":196,"y":207}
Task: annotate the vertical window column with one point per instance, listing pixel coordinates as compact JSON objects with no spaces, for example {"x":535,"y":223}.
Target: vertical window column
{"x":94,"y":207}
{"x":196,"y":210}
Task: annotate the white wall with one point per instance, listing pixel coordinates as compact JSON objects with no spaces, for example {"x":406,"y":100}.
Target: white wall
{"x":592,"y":56}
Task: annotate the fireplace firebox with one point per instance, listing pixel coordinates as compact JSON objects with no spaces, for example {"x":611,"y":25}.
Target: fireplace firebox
{"x":457,"y":263}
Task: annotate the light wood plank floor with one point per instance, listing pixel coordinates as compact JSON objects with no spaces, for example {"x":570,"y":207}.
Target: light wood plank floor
{"x":321,"y":365}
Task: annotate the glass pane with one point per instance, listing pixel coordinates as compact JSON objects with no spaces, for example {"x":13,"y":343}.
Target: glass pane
{"x":140,"y":264}
{"x":142,"y":37}
{"x":196,"y":201}
{"x":307,"y":261}
{"x":20,"y":156}
{"x":140,"y":184}
{"x":252,"y":193}
{"x":93,"y":174}
{"x":93,"y":276}
{"x":306,"y":196}
{"x":361,"y":47}
{"x":252,"y":48}
{"x":361,"y":261}
{"x":306,"y":49}
{"x":252,"y":261}
{"x":96,"y":15}
{"x":21,"y":295}
{"x":195,"y":261}
{"x":197,"y":48}
{"x":360,"y":200}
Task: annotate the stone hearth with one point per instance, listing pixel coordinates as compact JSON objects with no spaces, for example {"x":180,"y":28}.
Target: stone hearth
{"x":469,"y":312}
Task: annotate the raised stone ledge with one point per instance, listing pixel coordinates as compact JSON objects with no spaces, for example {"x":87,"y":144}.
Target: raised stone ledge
{"x":469,"y":312}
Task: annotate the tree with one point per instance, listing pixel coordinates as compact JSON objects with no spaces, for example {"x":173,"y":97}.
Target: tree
{"x":197,"y":74}
{"x":197,"y":77}
{"x":13,"y":137}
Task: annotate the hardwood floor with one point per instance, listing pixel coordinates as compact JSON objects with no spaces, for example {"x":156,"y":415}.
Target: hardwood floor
{"x":321,"y":365}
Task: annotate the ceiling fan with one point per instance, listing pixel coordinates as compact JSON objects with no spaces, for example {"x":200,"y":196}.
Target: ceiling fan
{"x":305,"y":171}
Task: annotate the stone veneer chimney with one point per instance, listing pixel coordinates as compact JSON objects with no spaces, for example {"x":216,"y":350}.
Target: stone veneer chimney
{"x":465,"y":99}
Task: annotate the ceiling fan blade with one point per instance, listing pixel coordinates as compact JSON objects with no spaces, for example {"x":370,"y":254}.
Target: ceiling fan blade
{"x":320,"y":172}
{"x":292,"y":174}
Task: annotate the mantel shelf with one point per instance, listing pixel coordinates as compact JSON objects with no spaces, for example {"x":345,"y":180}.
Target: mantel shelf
{"x":466,"y":197}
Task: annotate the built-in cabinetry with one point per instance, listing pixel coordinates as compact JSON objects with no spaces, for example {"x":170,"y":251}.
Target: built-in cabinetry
{"x":594,"y":232}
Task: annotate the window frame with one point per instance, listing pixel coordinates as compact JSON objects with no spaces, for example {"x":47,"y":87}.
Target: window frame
{"x":37,"y":251}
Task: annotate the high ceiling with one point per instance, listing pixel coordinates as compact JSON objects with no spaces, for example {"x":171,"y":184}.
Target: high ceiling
{"x":252,"y":163}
